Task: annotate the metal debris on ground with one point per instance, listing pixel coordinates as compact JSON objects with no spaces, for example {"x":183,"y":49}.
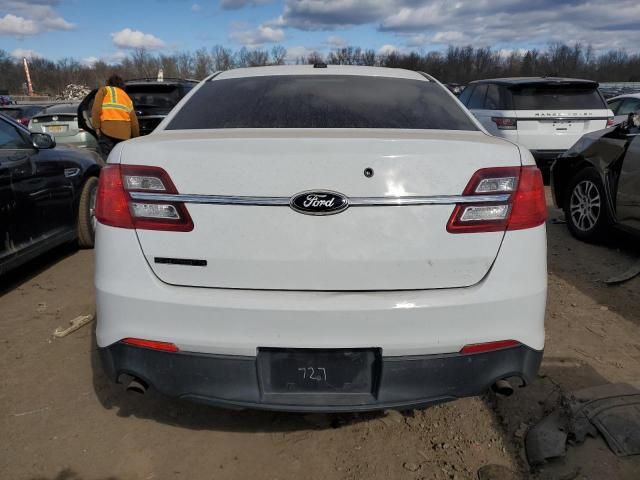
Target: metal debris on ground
{"x":547,"y":439}
{"x":74,"y":92}
{"x":628,"y":274}
{"x":613,"y":410}
{"x":74,"y":325}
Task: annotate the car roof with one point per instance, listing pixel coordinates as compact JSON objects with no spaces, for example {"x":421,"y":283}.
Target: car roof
{"x":325,"y":70}
{"x":625,"y":95}
{"x":59,"y":108}
{"x":532,"y":81}
{"x":155,"y":81}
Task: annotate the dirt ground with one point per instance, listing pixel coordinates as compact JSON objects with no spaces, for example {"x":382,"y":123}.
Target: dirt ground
{"x":61,"y":419}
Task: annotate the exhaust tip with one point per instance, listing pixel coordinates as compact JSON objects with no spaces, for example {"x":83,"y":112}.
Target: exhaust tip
{"x":503,"y":387}
{"x":137,"y":386}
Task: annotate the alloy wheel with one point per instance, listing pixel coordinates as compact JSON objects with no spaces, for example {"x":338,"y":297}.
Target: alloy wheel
{"x":585,"y":205}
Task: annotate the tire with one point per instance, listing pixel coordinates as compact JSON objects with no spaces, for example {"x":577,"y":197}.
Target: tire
{"x":586,"y":209}
{"x":86,"y":213}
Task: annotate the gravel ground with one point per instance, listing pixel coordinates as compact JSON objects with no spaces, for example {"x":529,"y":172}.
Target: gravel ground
{"x":61,"y":419}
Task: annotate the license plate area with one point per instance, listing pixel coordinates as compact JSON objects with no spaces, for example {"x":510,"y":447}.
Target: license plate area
{"x":319,"y":376}
{"x":56,"y":128}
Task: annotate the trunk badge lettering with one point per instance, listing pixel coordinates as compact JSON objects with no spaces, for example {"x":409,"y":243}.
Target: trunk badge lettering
{"x":319,"y":202}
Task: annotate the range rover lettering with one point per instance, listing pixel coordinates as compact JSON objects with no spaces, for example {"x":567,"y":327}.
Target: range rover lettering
{"x":248,"y":256}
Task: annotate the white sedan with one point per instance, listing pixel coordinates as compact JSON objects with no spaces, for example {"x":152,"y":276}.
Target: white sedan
{"x":320,"y":238}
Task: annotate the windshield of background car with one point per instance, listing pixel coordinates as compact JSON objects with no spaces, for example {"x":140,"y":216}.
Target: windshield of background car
{"x":66,"y":108}
{"x":557,"y":97}
{"x":321,"y":101}
{"x":154,"y":96}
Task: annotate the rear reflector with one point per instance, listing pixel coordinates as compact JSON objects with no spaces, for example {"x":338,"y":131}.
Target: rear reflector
{"x":489,"y":346}
{"x":504,"y":123}
{"x":152,"y":344}
{"x":526,"y":207}
{"x":114,"y":206}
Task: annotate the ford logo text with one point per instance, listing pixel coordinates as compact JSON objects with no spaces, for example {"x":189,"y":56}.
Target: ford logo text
{"x":319,"y":202}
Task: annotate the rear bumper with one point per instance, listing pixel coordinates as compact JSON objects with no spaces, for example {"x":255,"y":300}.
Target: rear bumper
{"x":401,"y":382}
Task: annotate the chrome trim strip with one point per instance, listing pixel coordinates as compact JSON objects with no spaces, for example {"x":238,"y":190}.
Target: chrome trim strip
{"x":353,"y":201}
{"x":561,"y":117}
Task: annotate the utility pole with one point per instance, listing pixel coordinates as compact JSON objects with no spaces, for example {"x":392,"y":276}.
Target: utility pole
{"x":26,"y":72}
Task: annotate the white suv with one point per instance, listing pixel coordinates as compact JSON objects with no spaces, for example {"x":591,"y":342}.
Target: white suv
{"x":547,"y":115}
{"x":320,"y":238}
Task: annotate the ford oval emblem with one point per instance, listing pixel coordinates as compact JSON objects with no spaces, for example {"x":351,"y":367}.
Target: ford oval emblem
{"x":319,"y":202}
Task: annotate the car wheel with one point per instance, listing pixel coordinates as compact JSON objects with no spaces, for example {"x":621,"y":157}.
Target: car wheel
{"x":87,"y":213}
{"x":586,"y":209}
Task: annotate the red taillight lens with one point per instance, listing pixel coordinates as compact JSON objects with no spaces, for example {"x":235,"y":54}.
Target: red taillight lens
{"x":489,"y":346}
{"x":116,"y":207}
{"x":526,"y":207}
{"x":152,"y":344}
{"x":112,"y":202}
{"x":529,"y":207}
{"x":504,"y":123}
{"x":610,"y":121}
{"x":24,"y":121}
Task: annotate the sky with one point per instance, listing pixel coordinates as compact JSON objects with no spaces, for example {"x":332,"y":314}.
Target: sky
{"x":88,"y":30}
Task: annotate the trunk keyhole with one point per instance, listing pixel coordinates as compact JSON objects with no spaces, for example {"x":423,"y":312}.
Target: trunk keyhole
{"x":368,"y":172}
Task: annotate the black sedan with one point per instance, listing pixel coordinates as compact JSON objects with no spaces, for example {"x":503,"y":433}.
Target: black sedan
{"x":47,"y":194}
{"x":597,"y":181}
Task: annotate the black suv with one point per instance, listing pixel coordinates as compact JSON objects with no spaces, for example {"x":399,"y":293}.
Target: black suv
{"x":152,"y":99}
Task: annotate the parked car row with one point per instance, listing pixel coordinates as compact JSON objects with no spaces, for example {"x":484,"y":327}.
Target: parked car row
{"x":547,"y":115}
{"x":47,"y":194}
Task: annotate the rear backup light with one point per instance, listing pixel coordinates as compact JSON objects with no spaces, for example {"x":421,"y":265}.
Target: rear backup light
{"x":526,"y":207}
{"x":152,"y":344}
{"x":504,"y":123}
{"x":489,"y":346}
{"x":116,"y":208}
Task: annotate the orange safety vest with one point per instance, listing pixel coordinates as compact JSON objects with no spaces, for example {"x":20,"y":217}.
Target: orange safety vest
{"x":116,"y":105}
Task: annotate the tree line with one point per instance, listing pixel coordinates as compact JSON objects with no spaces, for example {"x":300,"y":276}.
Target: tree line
{"x":455,"y":64}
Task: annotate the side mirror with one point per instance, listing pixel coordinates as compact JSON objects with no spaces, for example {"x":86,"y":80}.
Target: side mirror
{"x":42,"y":141}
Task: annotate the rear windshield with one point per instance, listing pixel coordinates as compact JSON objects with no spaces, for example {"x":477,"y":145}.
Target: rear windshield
{"x":66,"y":108}
{"x":327,"y":101}
{"x":154,"y":96}
{"x":552,"y":97}
{"x":12,"y":112}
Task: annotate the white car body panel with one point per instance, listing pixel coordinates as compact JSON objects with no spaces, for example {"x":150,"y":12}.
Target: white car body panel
{"x":133,"y":302}
{"x":545,"y":129}
{"x":366,"y":248}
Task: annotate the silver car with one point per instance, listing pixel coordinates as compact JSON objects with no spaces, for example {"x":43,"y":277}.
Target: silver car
{"x":61,"y":122}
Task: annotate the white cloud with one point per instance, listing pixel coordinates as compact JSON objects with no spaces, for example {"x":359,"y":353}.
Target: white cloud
{"x":89,"y":61}
{"x":23,"y":18}
{"x":422,"y":23}
{"x":387,"y":49}
{"x":22,"y":53}
{"x":336,"y":42}
{"x":14,"y":25}
{"x":255,"y":37}
{"x":238,"y":4}
{"x":128,"y":38}
{"x":195,"y":8}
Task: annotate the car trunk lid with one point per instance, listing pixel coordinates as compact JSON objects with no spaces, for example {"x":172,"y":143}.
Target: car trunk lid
{"x":387,"y":247}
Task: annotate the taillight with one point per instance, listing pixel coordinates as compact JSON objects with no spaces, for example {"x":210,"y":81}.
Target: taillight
{"x":505,"y":123}
{"x":525,"y":207}
{"x":115,"y":206}
{"x":151,"y":344}
{"x":610,"y":121}
{"x":24,"y":121}
{"x":489,"y":346}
